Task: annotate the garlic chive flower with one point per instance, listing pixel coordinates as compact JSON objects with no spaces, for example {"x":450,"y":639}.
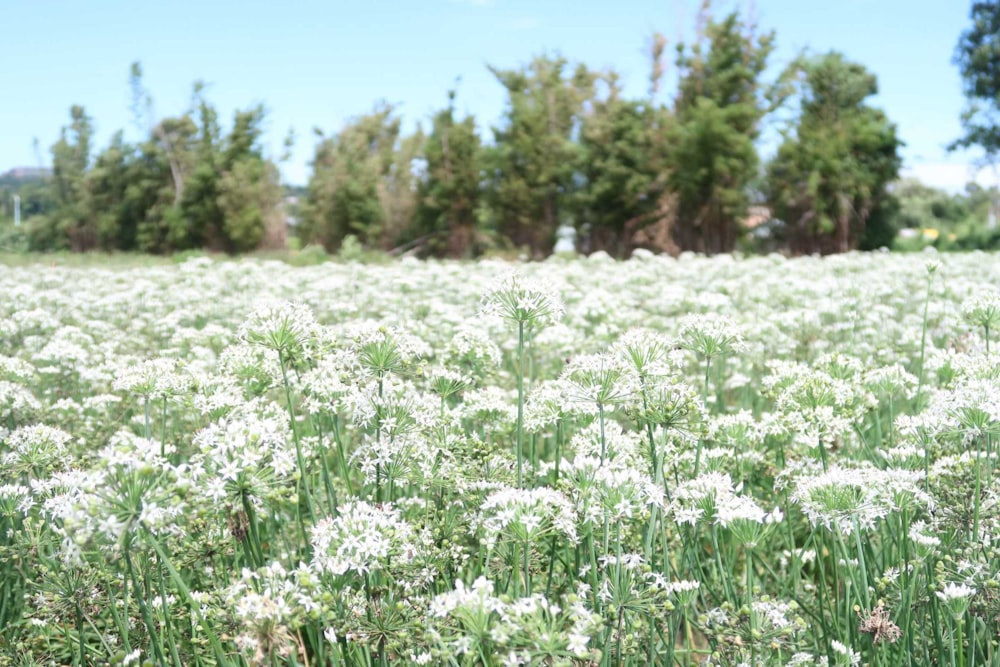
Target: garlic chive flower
{"x":521,"y":301}
{"x":363,"y":538}
{"x":527,"y":515}
{"x":983,"y":309}
{"x":957,"y":598}
{"x":285,"y":327}
{"x":711,"y":335}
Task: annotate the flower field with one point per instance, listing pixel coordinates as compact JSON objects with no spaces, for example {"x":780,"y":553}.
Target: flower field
{"x":576,"y":462}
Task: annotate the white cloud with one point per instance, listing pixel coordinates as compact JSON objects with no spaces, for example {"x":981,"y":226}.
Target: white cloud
{"x":951,"y":176}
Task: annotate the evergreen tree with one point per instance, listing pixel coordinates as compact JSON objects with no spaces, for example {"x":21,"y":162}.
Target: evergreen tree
{"x":624,"y":163}
{"x":449,"y":192}
{"x":829,"y":179}
{"x":249,"y":201}
{"x":198,"y":222}
{"x":107,"y":184}
{"x":979,"y":64}
{"x":343,"y":196}
{"x":720,"y":104}
{"x":70,"y":225}
{"x":535,"y":158}
{"x":397,"y":190}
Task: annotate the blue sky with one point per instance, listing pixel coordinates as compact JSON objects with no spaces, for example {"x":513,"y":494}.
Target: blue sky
{"x":317,"y":64}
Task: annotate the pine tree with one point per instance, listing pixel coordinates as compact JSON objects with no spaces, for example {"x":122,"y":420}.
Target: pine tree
{"x":535,"y":158}
{"x":719,"y":108}
{"x":450,"y":190}
{"x":829,"y":180}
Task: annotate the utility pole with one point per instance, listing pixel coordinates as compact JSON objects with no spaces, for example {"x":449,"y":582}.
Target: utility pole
{"x":17,"y":209}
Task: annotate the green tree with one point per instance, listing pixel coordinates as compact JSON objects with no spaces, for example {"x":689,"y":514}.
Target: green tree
{"x":70,"y":225}
{"x":157,"y":174}
{"x":922,"y":206}
{"x":829,"y":180}
{"x":449,"y":192}
{"x":398,"y":190}
{"x":107,"y":184}
{"x":232,"y":194}
{"x":198,"y":221}
{"x":343,"y":196}
{"x":535,"y":157}
{"x":719,"y":107}
{"x":249,"y":189}
{"x":250,"y":195}
{"x":624,"y":165}
{"x":979,"y":63}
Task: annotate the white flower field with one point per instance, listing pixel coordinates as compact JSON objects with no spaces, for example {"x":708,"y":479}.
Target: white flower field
{"x":584,"y":462}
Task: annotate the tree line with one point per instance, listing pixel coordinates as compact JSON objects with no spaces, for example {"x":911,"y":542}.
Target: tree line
{"x":572,"y":149}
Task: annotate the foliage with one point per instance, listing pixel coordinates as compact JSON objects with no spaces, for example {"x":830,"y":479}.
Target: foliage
{"x":187,"y":185}
{"x":533,"y":163}
{"x":354,"y":174}
{"x":624,"y":166}
{"x":719,"y":107}
{"x":925,"y":207}
{"x":571,"y":151}
{"x":976,"y":57}
{"x":829,"y":180}
{"x":449,"y":193}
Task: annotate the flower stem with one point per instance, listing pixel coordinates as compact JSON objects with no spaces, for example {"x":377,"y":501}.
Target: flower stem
{"x":303,"y":473}
{"x":520,"y":404}
{"x":923,"y":341}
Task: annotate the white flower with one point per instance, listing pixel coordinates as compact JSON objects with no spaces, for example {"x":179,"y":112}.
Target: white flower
{"x":526,"y":515}
{"x":578,"y":645}
{"x":953,"y":591}
{"x":711,"y":335}
{"x":521,"y":301}
{"x":363,"y":538}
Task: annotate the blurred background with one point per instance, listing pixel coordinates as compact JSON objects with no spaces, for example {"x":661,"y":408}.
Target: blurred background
{"x":458,"y":128}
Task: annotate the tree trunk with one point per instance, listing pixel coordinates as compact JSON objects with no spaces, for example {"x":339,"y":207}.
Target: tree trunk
{"x":460,"y":237}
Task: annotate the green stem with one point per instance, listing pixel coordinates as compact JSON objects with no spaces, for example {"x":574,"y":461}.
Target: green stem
{"x":300,"y":460}
{"x":604,"y":444}
{"x":79,"y":632}
{"x":147,"y":431}
{"x":147,"y":617}
{"x":171,"y":644}
{"x":520,"y":404}
{"x":923,"y":341}
{"x":163,"y":430}
{"x":182,"y":588}
{"x":701,"y":441}
{"x":753,"y":624}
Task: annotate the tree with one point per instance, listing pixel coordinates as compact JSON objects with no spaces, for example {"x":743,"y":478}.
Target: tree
{"x":106,"y":186}
{"x":450,"y":190}
{"x":70,"y":224}
{"x":922,"y":206}
{"x":198,"y":219}
{"x":979,"y":64}
{"x":719,"y":108}
{"x":232,"y":193}
{"x":397,"y":190}
{"x":343,"y":195}
{"x":250,"y":195}
{"x":535,"y":158}
{"x":829,"y":179}
{"x":624,"y":165}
